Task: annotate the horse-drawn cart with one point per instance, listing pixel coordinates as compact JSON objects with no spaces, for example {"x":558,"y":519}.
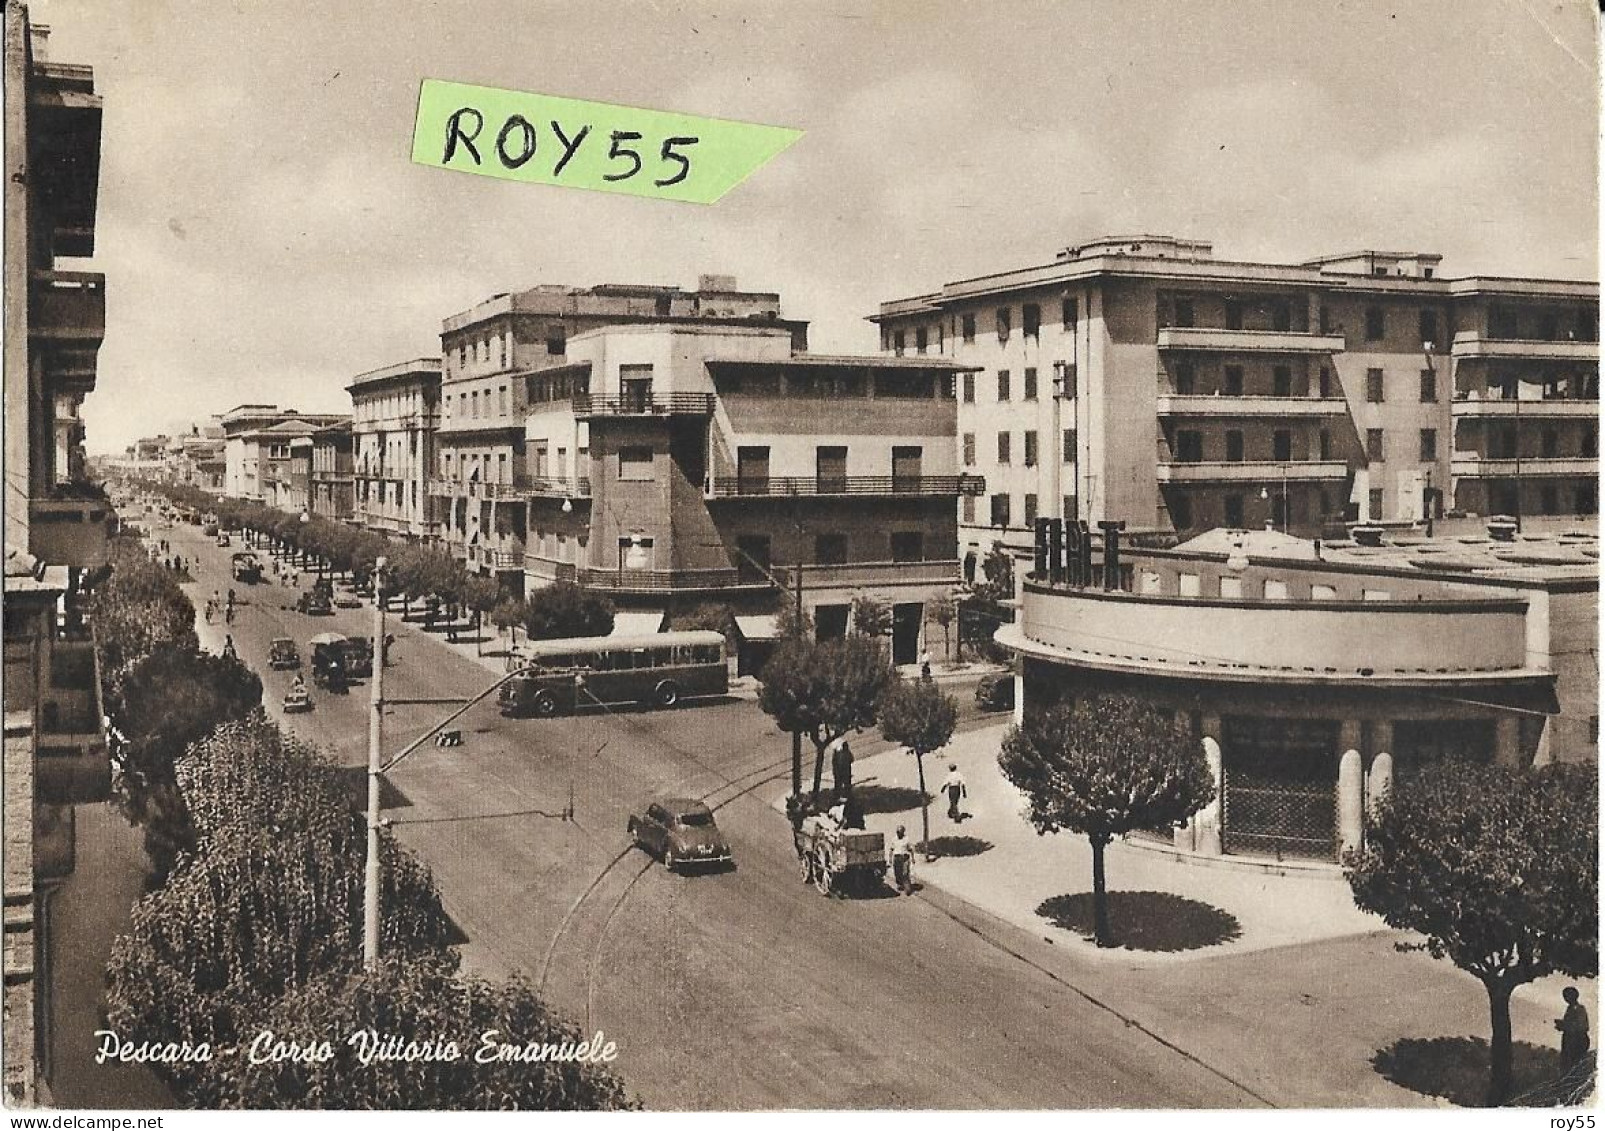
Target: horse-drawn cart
{"x":837,"y":860}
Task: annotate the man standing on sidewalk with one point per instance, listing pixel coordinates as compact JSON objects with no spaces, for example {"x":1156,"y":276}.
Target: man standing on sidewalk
{"x":902,"y":855}
{"x":953,"y":786}
{"x":841,"y":768}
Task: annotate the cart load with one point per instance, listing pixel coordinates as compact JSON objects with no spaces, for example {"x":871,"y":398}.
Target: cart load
{"x":837,"y":860}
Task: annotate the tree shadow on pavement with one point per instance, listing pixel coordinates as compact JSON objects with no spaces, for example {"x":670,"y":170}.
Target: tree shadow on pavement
{"x":954,"y":846}
{"x":1146,"y":920}
{"x":1456,"y":1069}
{"x":886,"y":798}
{"x":354,"y":780}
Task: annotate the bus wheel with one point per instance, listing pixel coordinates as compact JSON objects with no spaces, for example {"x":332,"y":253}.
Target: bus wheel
{"x":668,"y":694}
{"x":545,"y":705}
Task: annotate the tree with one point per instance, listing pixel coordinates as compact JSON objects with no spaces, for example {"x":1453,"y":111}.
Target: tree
{"x":481,"y":595}
{"x":944,"y":610}
{"x":138,"y":608}
{"x":1103,"y":766}
{"x":983,"y":611}
{"x":508,"y":614}
{"x":1498,"y":869}
{"x":421,"y":998}
{"x":563,"y":610}
{"x":917,"y":715}
{"x":871,"y":617}
{"x":793,"y":623}
{"x":824,"y":689}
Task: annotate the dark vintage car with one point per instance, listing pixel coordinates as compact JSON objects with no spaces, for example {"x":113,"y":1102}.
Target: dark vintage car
{"x":329,"y":668}
{"x":283,"y":654}
{"x":995,"y":692}
{"x":681,"y":833}
{"x":315,"y":603}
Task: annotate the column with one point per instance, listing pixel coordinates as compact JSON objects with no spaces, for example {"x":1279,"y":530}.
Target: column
{"x":1379,"y":782}
{"x":1350,"y":800}
{"x":1210,"y":819}
{"x":1507,"y":741}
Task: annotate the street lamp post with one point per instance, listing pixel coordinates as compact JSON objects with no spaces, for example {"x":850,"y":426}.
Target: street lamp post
{"x":370,"y":893}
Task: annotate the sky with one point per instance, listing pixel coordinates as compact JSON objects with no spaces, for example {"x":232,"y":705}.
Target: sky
{"x":266,"y":237}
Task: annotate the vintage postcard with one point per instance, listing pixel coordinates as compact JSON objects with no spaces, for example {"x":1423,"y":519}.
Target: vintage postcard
{"x":885,"y":556}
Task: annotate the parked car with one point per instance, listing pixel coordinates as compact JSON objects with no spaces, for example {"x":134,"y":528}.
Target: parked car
{"x":346,"y":599}
{"x":224,"y":540}
{"x":283,"y":654}
{"x":995,"y":692}
{"x":680,"y":832}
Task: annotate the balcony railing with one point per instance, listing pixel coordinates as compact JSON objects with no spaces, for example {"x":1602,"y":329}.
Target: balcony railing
{"x":1474,"y":344}
{"x":473,"y":489}
{"x":1545,"y":409}
{"x":69,"y":306}
{"x":69,"y":531}
{"x":732,"y":486}
{"x":852,"y":574}
{"x":1258,"y":471}
{"x":1180,"y":404}
{"x":662,"y":404}
{"x":664,"y":581}
{"x":1213,"y":338}
{"x":1470,"y":465}
{"x":556,"y":487}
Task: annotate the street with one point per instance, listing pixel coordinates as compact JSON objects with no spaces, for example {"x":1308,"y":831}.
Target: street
{"x":744,"y":989}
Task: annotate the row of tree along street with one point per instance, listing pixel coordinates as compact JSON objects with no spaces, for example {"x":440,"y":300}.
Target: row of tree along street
{"x":253,"y":919}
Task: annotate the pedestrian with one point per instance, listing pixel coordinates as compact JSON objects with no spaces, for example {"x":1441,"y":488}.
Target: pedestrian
{"x":841,"y":767}
{"x":953,"y":786}
{"x":1573,"y":1026}
{"x":925,"y":664}
{"x":228,"y":648}
{"x":901,"y":852}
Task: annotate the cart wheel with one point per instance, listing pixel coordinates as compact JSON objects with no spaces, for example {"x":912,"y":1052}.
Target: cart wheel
{"x":805,"y":865}
{"x":822,"y":876}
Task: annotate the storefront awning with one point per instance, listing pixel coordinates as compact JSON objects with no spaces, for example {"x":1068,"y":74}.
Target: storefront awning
{"x":763,"y":627}
{"x":631,"y":623}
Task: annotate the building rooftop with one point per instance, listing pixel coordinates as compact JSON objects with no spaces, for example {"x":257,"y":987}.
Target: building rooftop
{"x":418,"y":366}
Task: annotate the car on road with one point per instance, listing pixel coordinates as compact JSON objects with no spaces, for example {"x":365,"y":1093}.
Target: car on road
{"x":245,"y":567}
{"x":995,"y":692}
{"x":345,"y":599}
{"x":680,"y":832}
{"x":283,"y":654}
{"x":315,"y":603}
{"x":224,"y":540}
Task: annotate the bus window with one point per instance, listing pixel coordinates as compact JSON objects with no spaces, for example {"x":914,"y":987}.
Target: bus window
{"x":660,"y":657}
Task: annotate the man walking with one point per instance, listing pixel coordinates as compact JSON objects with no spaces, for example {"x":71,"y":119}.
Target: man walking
{"x":902,"y":856}
{"x":841,"y":768}
{"x":953,"y":786}
{"x":1573,"y":1026}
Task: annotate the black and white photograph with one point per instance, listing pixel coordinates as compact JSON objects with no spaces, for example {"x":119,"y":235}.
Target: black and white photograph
{"x":771,"y":556}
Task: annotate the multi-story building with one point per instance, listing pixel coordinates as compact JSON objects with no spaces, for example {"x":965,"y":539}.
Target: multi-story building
{"x":198,"y":460}
{"x":243,"y":458}
{"x":332,"y":493}
{"x":685,"y":460}
{"x":1312,"y":674}
{"x":490,"y":350}
{"x":1141,"y":379}
{"x":55,"y":524}
{"x":395,"y":412}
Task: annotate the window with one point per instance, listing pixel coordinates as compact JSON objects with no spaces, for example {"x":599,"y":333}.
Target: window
{"x":1326,"y":383}
{"x":1281,"y":381}
{"x":1029,"y":381}
{"x":462,"y":355}
{"x":752,"y":470}
{"x":1000,"y":510}
{"x":1181,"y":512}
{"x":898,"y":342}
{"x":969,"y":388}
{"x":1189,"y":446}
{"x":1234,"y":314}
{"x":1185,"y":379}
{"x":1003,"y":318}
{"x":1003,"y":447}
{"x":1375,"y":502}
{"x":1031,"y":320}
{"x":1429,"y":327}
{"x":1234,"y":510}
{"x":1373,"y":444}
{"x":1375,"y":324}
{"x":1234,"y":446}
{"x":1282,"y":317}
{"x":1030,"y":510}
{"x":967,"y":327}
{"x":1502,"y":442}
{"x":1233,"y":386}
{"x":1373,"y":386}
{"x":1030,"y":450}
{"x":635,"y":463}
{"x":556,"y":340}
{"x":501,"y":400}
{"x":1003,"y":385}
{"x":907,"y":468}
{"x":1068,"y":441}
{"x":1281,"y":445}
{"x":1587,"y":498}
{"x":1501,"y":323}
{"x":1429,"y":386}
{"x":1590,"y":446}
{"x":1429,"y":444}
{"x":908,"y":546}
{"x":1551,"y":443}
{"x":967,"y":509}
{"x":921,"y":340}
{"x":1064,"y":379}
{"x":1184,"y":312}
{"x":969,"y":449}
{"x":830,"y":470}
{"x":830,"y":549}
{"x":1068,"y":314}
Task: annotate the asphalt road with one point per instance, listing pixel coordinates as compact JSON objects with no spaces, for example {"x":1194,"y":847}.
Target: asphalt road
{"x":743,"y":989}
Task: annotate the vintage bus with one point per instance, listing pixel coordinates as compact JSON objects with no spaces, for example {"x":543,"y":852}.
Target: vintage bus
{"x":654,"y":669}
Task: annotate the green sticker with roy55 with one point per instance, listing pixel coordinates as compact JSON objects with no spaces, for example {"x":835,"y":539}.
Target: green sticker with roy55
{"x":546,"y":140}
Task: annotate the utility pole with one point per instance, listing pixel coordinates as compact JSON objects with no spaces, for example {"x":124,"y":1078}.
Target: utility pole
{"x":796,"y":735}
{"x":376,"y":699}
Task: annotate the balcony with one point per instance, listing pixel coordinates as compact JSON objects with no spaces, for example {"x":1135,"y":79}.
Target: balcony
{"x":474,"y":489}
{"x":1213,"y":339}
{"x":733,"y":486}
{"x":662,"y":404}
{"x":556,"y":487}
{"x":1259,"y":471}
{"x":665,"y":581}
{"x":68,"y":306}
{"x":1469,"y":344}
{"x":855,"y":574}
{"x":1177,"y":404}
{"x":1551,"y":408}
{"x":70,"y":532}
{"x":1470,"y":465}
{"x":74,"y":763}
